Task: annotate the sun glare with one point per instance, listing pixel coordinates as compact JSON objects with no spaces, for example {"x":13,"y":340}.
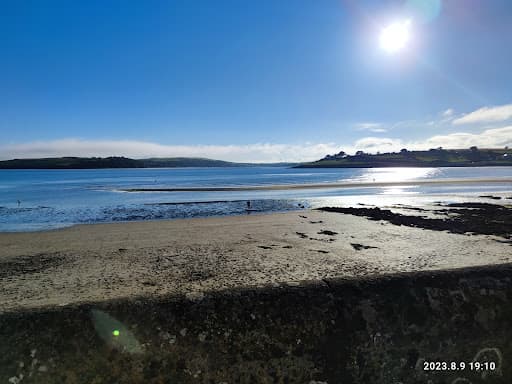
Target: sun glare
{"x":395,"y":37}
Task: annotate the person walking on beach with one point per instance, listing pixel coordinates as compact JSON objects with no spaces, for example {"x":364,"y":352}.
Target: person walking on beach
{"x":248,"y":204}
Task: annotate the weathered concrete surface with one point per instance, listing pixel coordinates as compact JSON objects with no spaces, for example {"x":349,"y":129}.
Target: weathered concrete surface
{"x":376,"y":330}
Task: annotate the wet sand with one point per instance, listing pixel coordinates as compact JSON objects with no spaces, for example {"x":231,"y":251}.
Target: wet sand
{"x":92,"y":263}
{"x":349,"y":184}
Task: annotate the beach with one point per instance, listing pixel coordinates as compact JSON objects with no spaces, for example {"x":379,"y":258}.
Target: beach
{"x":324,"y":282}
{"x":191,"y":257}
{"x":360,"y":294}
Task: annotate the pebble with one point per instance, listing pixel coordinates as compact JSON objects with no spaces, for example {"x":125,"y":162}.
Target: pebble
{"x":202,"y":336}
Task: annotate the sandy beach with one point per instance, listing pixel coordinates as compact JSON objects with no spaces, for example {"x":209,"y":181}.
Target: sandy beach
{"x":97,"y":262}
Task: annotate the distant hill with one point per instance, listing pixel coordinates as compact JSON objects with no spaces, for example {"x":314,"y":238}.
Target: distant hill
{"x":175,"y":162}
{"x":472,"y":157}
{"x":122,"y":162}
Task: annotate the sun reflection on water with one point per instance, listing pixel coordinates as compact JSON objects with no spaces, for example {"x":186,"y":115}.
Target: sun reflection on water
{"x":403,"y":190}
{"x":388,"y":175}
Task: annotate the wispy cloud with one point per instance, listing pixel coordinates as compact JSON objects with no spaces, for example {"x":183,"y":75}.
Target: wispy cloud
{"x":486,"y":115}
{"x":497,"y":138}
{"x":372,"y":127}
{"x":259,"y":152}
{"x":377,"y":144}
{"x":448,"y":113}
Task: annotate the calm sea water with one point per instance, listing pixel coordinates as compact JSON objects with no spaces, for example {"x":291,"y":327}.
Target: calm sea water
{"x":58,"y":198}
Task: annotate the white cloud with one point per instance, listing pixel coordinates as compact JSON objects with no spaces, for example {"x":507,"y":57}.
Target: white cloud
{"x":372,"y":127}
{"x":363,"y":126}
{"x":260,"y":152}
{"x":377,"y":144}
{"x":486,"y":115}
{"x":490,"y":138}
{"x":378,"y":130}
{"x":448,"y":112}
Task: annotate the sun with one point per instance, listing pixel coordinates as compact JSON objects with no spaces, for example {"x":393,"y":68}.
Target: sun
{"x":395,"y":36}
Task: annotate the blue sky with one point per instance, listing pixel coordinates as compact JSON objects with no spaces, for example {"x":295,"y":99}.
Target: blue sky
{"x":258,"y":80}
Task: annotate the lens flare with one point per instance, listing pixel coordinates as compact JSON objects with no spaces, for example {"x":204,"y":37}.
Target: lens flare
{"x":114,"y":333}
{"x":424,"y":11}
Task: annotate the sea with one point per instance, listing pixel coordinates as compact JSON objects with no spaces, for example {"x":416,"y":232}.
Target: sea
{"x":34,"y":200}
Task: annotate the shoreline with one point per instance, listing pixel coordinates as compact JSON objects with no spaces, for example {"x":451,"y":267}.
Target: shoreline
{"x":430,"y":199}
{"x":355,"y":184}
{"x":160,"y":220}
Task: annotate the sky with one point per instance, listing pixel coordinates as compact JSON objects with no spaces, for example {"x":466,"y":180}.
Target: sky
{"x":261,"y":81}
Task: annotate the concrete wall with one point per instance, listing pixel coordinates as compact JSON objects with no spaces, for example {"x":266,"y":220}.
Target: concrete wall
{"x":336,"y":331}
